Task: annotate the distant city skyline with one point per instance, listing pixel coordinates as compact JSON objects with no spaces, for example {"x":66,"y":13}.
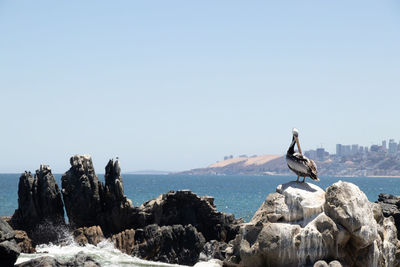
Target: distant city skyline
{"x":177,"y":85}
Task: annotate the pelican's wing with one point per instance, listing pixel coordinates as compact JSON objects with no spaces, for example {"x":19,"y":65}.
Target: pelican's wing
{"x":313,"y":166}
{"x":300,"y":157}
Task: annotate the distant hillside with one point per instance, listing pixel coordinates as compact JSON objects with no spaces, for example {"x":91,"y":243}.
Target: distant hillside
{"x":258,"y":165}
{"x":371,"y":164}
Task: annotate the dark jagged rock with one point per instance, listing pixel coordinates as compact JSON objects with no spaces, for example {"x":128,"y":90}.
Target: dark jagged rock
{"x":390,"y":207}
{"x":88,"y":235}
{"x":9,"y":250}
{"x":124,"y":241}
{"x":173,"y":244}
{"x":24,"y":242}
{"x":39,"y":205}
{"x":185,"y":207}
{"x":118,"y":209}
{"x":81,"y":191}
{"x":88,"y":202}
{"x":80,"y":259}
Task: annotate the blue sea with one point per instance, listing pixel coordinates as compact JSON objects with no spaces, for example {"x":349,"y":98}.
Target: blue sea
{"x":240,"y":195}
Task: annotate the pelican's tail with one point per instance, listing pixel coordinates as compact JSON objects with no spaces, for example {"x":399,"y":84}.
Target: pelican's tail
{"x":314,"y":177}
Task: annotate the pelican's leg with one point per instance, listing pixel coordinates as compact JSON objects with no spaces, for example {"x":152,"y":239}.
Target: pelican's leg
{"x":297,"y":178}
{"x":304,"y":178}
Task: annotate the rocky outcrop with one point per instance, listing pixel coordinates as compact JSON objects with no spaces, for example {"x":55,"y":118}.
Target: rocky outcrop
{"x":88,"y":235}
{"x":184,"y":207}
{"x":24,"y":242}
{"x":390,"y":205}
{"x":118,"y":210}
{"x":124,"y":241}
{"x":80,"y":259}
{"x":173,"y":244}
{"x":39,"y":205}
{"x":9,"y":250}
{"x":302,"y":225}
{"x":213,"y":250}
{"x":88,"y":202}
{"x":81,"y":191}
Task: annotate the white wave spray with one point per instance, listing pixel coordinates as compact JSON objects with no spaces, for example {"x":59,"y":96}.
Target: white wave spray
{"x":104,"y":253}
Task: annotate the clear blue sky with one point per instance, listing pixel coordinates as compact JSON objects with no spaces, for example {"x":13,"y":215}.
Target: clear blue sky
{"x":174,"y":85}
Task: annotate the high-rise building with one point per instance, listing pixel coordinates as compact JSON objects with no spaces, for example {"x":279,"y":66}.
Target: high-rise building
{"x":384,"y":145}
{"x":374,"y":148}
{"x":320,"y":153}
{"x":354,"y":149}
{"x":338,"y":150}
{"x":346,"y":150}
{"x":392,"y":147}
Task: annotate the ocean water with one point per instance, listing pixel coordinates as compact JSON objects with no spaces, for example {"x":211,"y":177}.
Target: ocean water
{"x":240,"y":195}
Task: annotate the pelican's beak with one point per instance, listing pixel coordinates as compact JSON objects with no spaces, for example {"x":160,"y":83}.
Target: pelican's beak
{"x":298,"y":144}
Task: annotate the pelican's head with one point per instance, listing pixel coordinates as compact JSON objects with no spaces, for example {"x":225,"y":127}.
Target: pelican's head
{"x":295,"y":132}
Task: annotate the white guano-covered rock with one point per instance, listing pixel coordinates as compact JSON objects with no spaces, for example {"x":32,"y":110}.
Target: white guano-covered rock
{"x":301,"y":225}
{"x":348,"y":205}
{"x":292,"y":202}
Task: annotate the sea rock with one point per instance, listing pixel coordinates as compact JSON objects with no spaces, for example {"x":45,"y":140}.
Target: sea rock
{"x":125,"y":241}
{"x":292,"y":202}
{"x":209,"y":263}
{"x":173,"y":244}
{"x":186,"y":208}
{"x":335,"y":263}
{"x":88,"y":202}
{"x":345,"y":227}
{"x":39,"y":205}
{"x":321,"y":263}
{"x":9,"y":250}
{"x":118,"y":211}
{"x":24,"y":242}
{"x":81,"y":259}
{"x":213,"y":250}
{"x":88,"y":235}
{"x":347,"y":205}
{"x":390,"y":207}
{"x":81,"y":191}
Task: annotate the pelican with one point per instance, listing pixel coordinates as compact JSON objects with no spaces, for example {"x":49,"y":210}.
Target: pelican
{"x":299,"y":164}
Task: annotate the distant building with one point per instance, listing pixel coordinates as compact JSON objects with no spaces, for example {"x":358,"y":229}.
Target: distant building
{"x":384,"y":145}
{"x":374,"y":148}
{"x":392,"y":147}
{"x":320,"y":153}
{"x":338,"y":150}
{"x":346,"y":150}
{"x":354,"y":149}
{"x":312,"y":154}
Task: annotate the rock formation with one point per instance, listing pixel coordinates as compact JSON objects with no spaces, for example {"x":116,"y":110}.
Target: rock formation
{"x":301,"y":224}
{"x":80,"y":259}
{"x":184,"y":207}
{"x":24,"y":242}
{"x":88,"y":202}
{"x":173,"y":244}
{"x":88,"y":235}
{"x":118,"y":210}
{"x":390,"y":207}
{"x":81,"y":191}
{"x":9,"y":250}
{"x":124,"y":241}
{"x":40,"y":206}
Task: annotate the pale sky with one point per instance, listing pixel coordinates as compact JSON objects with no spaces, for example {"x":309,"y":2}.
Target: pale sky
{"x":175,"y":85}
